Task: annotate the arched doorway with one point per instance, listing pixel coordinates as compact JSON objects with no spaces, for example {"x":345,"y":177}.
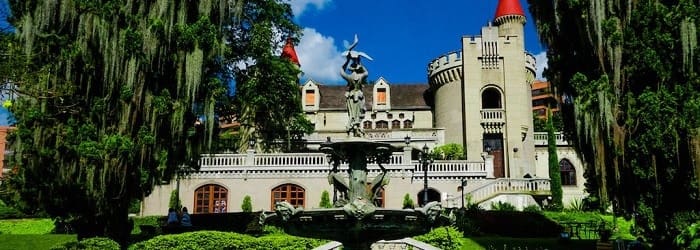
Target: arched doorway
{"x":210,"y":198}
{"x":433,"y":195}
{"x":294,"y":194}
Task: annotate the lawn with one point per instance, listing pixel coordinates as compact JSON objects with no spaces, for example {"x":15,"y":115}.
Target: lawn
{"x":33,"y":241}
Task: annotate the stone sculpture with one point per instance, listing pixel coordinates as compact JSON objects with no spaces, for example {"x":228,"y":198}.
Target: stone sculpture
{"x":356,"y":75}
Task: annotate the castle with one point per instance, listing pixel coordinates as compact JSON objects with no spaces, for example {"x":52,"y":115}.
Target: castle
{"x":479,"y":97}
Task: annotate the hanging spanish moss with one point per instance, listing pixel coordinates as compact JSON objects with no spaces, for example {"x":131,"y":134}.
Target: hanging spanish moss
{"x":107,"y":108}
{"x":630,"y":70}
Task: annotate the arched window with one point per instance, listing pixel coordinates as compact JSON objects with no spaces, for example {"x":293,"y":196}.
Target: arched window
{"x":294,"y":194}
{"x":382,"y":125}
{"x":395,"y":124}
{"x":210,"y":198}
{"x":491,"y":99}
{"x":367,"y":125}
{"x":407,"y":124}
{"x":568,"y":173}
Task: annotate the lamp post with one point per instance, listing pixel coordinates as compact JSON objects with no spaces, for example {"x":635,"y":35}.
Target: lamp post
{"x":251,"y":143}
{"x":425,"y":161}
{"x":464,"y":184}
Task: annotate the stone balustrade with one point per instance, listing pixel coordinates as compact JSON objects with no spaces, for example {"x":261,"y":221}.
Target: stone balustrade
{"x":541,"y":139}
{"x":315,"y":164}
{"x":535,"y":186}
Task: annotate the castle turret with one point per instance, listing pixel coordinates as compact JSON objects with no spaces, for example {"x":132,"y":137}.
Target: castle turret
{"x":510,"y":18}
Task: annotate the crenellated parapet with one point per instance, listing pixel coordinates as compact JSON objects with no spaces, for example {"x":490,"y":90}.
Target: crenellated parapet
{"x":530,"y":66}
{"x":445,"y":69}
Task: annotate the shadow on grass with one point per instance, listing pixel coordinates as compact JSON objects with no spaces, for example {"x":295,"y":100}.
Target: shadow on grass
{"x":505,"y":243}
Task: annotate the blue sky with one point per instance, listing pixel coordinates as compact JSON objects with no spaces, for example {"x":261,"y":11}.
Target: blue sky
{"x":401,"y":36}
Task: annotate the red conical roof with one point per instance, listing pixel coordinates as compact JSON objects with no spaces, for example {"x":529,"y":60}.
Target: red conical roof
{"x":289,"y":52}
{"x":509,"y":7}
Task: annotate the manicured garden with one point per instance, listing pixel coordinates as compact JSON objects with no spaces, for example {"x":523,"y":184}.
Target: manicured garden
{"x":37,"y":234}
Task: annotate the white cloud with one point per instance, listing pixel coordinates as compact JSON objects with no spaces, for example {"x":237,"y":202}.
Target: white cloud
{"x":299,"y":6}
{"x":540,"y":65}
{"x":320,"y":59}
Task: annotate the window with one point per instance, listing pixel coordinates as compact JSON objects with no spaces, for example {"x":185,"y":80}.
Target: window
{"x":310,"y":97}
{"x":367,"y":125}
{"x":294,"y":194}
{"x":401,"y":115}
{"x":407,"y":124}
{"x":373,"y":116}
{"x":381,"y":96}
{"x":210,"y":199}
{"x":568,"y":173}
{"x":390,"y":116}
{"x":395,"y":124}
{"x":491,"y":99}
{"x":382,"y":125}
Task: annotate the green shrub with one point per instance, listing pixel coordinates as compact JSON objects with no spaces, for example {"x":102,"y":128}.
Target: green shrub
{"x":153,"y":221}
{"x":135,"y":207}
{"x":533,"y":209}
{"x":408,"y":202}
{"x":450,"y":151}
{"x":97,"y":243}
{"x":325,"y":200}
{"x":175,"y":202}
{"x":7,"y":212}
{"x":247,"y":204}
{"x":502,"y":206}
{"x":225,"y":240}
{"x":576,"y":205}
{"x":443,"y":238}
{"x":689,"y":238}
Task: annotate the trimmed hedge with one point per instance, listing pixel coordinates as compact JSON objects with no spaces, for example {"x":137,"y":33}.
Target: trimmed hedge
{"x":224,"y":240}
{"x":98,"y":243}
{"x":7,"y":212}
{"x":26,"y":226}
{"x":443,"y":237}
{"x":514,"y":224}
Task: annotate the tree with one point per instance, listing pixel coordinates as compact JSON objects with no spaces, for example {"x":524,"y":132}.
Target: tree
{"x":267,"y":98}
{"x":106,"y":108}
{"x":408,"y":202}
{"x":247,"y":205}
{"x":175,"y":202}
{"x":631,"y":102}
{"x":554,"y":171}
{"x":325,"y":200}
{"x":450,"y":151}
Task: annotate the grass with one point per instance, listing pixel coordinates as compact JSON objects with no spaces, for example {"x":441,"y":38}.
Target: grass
{"x":505,"y":243}
{"x":26,"y":226}
{"x":33,"y":241}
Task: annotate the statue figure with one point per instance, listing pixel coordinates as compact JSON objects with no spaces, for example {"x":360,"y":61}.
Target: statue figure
{"x":354,"y":99}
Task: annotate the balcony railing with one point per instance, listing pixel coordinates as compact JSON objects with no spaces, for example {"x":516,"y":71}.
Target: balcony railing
{"x":316,"y":164}
{"x":541,"y":139}
{"x":496,"y":187}
{"x":491,"y":116}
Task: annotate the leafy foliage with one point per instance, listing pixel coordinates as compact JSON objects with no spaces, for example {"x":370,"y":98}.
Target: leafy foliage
{"x":554,"y":169}
{"x":450,"y":151}
{"x":106,"y":104}
{"x":247,"y":204}
{"x":689,"y":238}
{"x":267,"y":98}
{"x":502,"y":206}
{"x":223,"y":240}
{"x":443,"y":238}
{"x":175,"y":202}
{"x":97,"y":243}
{"x":631,"y":91}
{"x":325,"y":200}
{"x":408,"y":202}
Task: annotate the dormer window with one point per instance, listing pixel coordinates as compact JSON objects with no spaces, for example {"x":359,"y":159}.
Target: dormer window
{"x":381,"y":96}
{"x":310,"y":97}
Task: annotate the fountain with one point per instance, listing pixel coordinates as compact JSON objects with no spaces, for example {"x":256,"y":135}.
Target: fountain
{"x":356,"y":221}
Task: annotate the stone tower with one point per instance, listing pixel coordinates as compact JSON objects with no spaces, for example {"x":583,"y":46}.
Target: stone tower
{"x":482,"y":95}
